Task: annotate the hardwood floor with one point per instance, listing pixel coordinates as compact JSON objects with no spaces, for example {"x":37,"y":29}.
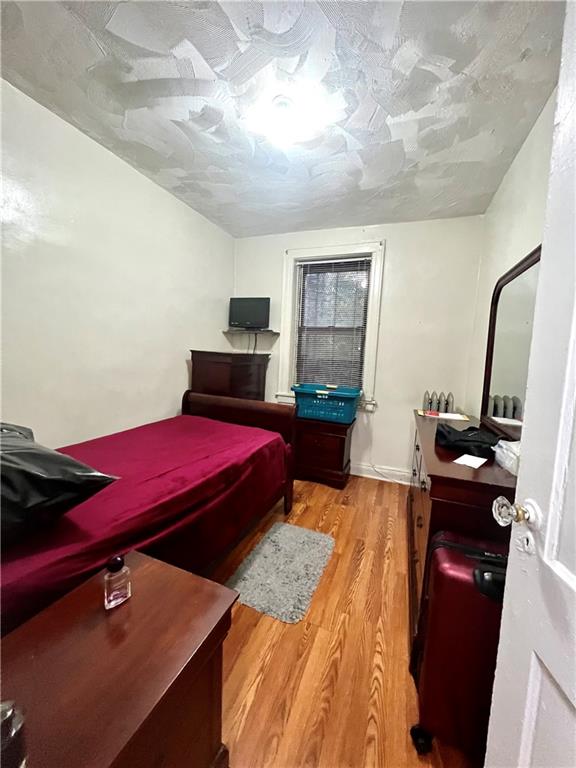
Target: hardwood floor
{"x":334,"y":689}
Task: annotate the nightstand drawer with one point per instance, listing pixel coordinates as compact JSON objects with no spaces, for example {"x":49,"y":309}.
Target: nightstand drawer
{"x":320,"y":449}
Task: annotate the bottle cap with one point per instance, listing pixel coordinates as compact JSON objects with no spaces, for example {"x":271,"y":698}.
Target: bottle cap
{"x":115,"y":564}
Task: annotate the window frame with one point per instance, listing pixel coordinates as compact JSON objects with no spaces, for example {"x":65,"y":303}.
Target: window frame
{"x":288,"y":324}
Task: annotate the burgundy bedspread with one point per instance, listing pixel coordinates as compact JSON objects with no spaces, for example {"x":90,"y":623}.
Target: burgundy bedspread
{"x":185,"y":474}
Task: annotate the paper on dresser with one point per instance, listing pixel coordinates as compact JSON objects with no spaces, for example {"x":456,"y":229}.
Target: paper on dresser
{"x":450,"y":416}
{"x":470,"y":461}
{"x":508,"y":422}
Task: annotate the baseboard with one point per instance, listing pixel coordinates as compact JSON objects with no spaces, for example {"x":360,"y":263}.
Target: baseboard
{"x":376,"y":472}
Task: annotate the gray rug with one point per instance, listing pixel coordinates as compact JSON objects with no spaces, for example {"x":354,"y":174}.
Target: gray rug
{"x":282,"y":572}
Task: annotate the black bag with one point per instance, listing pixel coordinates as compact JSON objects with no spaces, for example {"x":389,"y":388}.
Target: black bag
{"x":474,"y":440}
{"x":39,"y":484}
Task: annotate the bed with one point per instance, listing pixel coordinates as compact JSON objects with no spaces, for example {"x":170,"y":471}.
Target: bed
{"x":189,"y":487}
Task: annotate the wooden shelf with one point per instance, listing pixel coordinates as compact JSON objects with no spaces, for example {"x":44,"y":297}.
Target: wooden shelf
{"x":266,"y":331}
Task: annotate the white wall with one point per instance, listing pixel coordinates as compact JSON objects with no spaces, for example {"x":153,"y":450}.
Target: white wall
{"x":514,"y":223}
{"x":108,"y":281}
{"x":93,"y":246}
{"x":438,"y":281}
{"x":430,"y":271}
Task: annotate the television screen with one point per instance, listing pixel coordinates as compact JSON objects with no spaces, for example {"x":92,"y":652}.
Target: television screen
{"x":249,"y":313}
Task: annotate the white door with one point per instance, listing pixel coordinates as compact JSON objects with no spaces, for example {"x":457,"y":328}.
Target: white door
{"x":533,"y":720}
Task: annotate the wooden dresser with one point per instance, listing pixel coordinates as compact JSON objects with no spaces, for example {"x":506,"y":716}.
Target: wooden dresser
{"x":322,"y":450}
{"x":139,"y":685}
{"x":232,"y":374}
{"x":448,"y":496}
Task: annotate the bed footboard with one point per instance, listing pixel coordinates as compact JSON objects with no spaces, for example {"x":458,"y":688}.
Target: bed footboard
{"x":248,"y":413}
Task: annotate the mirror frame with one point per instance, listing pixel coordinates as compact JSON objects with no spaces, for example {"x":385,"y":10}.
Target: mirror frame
{"x":510,"y":433}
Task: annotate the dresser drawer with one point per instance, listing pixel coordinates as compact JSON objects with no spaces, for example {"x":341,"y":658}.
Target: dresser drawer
{"x":421,"y":526}
{"x":417,"y":456}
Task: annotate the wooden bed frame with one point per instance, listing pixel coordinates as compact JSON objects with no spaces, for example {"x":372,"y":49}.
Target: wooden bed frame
{"x":199,"y":545}
{"x":249,"y":413}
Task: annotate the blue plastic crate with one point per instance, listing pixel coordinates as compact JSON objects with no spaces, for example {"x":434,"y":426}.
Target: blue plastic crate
{"x":326,"y":402}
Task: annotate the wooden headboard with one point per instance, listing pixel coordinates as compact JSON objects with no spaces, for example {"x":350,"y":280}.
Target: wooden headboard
{"x":236,"y":410}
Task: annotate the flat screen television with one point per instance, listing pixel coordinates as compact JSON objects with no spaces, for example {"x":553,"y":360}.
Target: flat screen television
{"x":249,"y":313}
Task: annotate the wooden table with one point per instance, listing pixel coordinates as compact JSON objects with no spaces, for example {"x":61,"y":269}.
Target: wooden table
{"x":140,"y":685}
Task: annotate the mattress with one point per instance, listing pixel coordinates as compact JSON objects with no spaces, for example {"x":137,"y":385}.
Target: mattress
{"x":178,"y":475}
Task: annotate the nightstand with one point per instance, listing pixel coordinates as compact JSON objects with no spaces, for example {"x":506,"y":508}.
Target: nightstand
{"x":138,"y":685}
{"x":322,"y":451}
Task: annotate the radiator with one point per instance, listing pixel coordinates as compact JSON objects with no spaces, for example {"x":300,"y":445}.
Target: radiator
{"x":505,"y":406}
{"x":441,"y":403}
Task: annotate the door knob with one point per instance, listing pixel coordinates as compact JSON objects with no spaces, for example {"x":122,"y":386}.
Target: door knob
{"x":505,"y":513}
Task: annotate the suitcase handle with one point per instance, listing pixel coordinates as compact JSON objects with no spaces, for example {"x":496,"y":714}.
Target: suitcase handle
{"x":478,"y":554}
{"x":492,"y":558}
{"x":490,"y":582}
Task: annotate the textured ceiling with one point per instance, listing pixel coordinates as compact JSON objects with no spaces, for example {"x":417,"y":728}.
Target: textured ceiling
{"x":431,"y":100}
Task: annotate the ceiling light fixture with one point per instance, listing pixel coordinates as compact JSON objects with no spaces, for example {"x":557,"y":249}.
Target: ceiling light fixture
{"x":288,"y":113}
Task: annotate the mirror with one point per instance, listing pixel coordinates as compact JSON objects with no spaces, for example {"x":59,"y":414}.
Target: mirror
{"x":508,"y":349}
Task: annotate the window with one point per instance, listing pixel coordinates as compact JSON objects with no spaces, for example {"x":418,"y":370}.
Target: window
{"x":330,"y":317}
{"x":331,"y":321}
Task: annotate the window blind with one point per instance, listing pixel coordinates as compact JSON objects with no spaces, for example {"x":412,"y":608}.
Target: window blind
{"x":331,"y":321}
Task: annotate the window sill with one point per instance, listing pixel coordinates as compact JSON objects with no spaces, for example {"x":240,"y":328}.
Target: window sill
{"x":285,"y":397}
{"x":288,"y":399}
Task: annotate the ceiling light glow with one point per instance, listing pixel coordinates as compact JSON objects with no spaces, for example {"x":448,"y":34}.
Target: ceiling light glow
{"x":292,"y":112}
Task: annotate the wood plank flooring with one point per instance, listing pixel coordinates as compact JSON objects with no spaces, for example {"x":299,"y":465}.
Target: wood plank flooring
{"x":332,"y":691}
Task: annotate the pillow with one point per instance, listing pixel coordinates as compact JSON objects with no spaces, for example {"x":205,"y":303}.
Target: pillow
{"x":39,"y":484}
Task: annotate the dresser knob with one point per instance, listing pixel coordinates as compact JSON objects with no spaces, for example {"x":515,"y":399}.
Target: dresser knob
{"x":419,"y":522}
